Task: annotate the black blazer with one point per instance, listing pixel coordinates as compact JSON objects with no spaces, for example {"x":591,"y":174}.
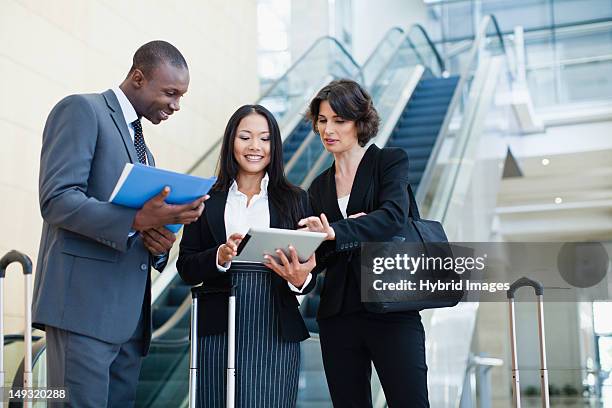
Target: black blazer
{"x":341,"y":257}
{"x":197,"y":264}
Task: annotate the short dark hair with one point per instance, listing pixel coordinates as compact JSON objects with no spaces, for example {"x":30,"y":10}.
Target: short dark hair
{"x":150,"y":55}
{"x":350,"y":101}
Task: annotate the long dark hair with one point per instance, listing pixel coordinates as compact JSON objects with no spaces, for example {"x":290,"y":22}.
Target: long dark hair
{"x":282,"y":194}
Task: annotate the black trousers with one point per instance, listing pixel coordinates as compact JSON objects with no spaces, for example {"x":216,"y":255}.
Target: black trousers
{"x":395,"y":343}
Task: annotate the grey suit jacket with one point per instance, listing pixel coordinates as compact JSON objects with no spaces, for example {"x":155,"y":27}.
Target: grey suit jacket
{"x":91,"y":278}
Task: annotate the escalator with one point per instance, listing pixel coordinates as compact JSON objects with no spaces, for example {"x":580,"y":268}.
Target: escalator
{"x":418,"y":128}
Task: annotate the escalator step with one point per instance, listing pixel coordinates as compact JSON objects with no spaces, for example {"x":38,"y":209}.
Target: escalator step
{"x":178,"y":294}
{"x":412,"y":142}
{"x":161,"y":314}
{"x":417,"y":164}
{"x":415,"y":120}
{"x":445,"y":92}
{"x":414,"y":177}
{"x":311,"y":324}
{"x":311,"y":359}
{"x":313,"y":387}
{"x":147,"y":393}
{"x":416,"y":132}
{"x":429,"y":102}
{"x":435,"y":82}
{"x":416,"y":111}
{"x":416,"y":153}
{"x":156,"y":366}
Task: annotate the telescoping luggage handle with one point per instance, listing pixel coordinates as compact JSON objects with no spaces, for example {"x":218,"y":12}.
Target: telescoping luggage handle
{"x":231,"y":344}
{"x":26,"y":265}
{"x":516,"y":390}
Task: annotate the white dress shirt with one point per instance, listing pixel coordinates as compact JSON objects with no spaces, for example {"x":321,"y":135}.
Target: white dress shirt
{"x":343,"y":203}
{"x":129,"y":114}
{"x":241,"y":215}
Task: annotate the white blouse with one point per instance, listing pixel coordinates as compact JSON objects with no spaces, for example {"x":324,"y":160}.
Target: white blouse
{"x":343,"y":203}
{"x":240,"y":216}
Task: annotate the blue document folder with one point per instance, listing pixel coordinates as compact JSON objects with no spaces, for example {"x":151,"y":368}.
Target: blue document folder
{"x":139,"y":183}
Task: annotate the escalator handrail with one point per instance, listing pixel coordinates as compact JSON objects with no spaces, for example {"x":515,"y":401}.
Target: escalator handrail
{"x":180,"y":312}
{"x":431,"y":44}
{"x":481,"y":36}
{"x":387,"y":35}
{"x":304,"y":55}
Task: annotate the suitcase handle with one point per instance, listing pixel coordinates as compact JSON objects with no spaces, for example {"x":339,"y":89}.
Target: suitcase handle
{"x":15,"y":256}
{"x":537,"y":287}
{"x":199,"y":291}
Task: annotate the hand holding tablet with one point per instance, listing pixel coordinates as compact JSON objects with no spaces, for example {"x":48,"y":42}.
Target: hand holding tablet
{"x":261,"y":241}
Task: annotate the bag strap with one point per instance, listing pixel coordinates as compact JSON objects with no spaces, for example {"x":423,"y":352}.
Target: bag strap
{"x":414,"y":208}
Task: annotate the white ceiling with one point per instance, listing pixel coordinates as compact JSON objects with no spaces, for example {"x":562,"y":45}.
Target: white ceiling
{"x":579,"y":173}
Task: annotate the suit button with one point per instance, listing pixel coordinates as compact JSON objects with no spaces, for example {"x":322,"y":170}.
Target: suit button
{"x":144,"y":267}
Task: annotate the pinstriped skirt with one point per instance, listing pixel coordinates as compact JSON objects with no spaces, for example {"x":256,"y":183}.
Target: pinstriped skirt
{"x":267,"y":366}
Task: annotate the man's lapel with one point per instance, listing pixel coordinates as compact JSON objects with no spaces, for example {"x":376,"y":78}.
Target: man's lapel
{"x":117,"y":116}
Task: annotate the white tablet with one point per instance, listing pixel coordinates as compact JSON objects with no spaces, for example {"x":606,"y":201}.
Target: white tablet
{"x":260,"y":241}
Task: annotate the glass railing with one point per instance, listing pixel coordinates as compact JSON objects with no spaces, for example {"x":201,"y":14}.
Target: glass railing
{"x":440,"y":175}
{"x":459,"y":187}
{"x":458,"y":18}
{"x":569,"y":65}
{"x":381,"y":56}
{"x":415,"y":49}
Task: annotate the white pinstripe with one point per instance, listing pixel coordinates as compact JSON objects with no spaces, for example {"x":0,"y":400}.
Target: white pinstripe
{"x":267,"y":366}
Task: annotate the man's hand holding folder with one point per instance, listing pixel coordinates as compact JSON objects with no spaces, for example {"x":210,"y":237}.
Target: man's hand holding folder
{"x":162,"y":197}
{"x":156,"y":212}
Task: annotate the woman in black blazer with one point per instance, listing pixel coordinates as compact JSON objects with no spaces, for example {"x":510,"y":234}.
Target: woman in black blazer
{"x":251,"y":190}
{"x":352,"y":338}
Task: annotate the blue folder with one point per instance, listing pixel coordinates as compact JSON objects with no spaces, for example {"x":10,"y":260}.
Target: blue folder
{"x":139,"y":183}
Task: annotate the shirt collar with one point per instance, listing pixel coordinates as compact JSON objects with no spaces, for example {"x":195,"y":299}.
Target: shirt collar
{"x":263,"y":186}
{"x":129,"y":114}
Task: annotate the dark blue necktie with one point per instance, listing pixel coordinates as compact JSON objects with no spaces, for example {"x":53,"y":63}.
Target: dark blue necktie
{"x":139,"y":143}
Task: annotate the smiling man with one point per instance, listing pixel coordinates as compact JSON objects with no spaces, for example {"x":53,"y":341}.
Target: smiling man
{"x":92,"y":292}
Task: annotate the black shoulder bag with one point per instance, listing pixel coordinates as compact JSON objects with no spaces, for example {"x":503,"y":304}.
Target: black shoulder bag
{"x":431,"y":241}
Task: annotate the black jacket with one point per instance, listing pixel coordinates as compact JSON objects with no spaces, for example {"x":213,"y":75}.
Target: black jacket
{"x":197,"y":264}
{"x":341,"y":257}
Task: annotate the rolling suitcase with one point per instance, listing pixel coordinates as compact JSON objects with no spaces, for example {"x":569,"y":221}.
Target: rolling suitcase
{"x":539,"y":291}
{"x":26,"y":265}
{"x":196,"y":293}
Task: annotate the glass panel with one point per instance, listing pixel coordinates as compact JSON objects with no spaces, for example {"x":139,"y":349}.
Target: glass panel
{"x":438,"y":187}
{"x":526,"y":13}
{"x":459,"y":21}
{"x":586,"y":82}
{"x":571,"y":11}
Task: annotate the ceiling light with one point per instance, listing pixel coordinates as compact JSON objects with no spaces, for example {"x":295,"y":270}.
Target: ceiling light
{"x":545,"y":162}
{"x":558,"y":200}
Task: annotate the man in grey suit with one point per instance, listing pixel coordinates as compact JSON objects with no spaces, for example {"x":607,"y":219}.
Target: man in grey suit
{"x":92,"y":289}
